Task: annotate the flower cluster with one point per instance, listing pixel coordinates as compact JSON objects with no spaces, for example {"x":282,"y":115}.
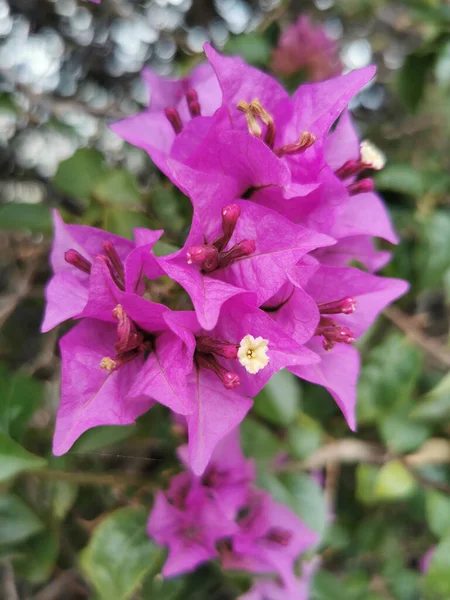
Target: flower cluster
{"x":304,"y":46}
{"x":222,"y":515}
{"x":282,"y":204}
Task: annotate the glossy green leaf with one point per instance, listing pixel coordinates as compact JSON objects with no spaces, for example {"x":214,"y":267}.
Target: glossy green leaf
{"x":304,"y":436}
{"x":21,"y":395}
{"x":300,"y":492}
{"x":366,"y":477}
{"x":258,"y":441}
{"x":253,"y":47}
{"x":394,"y":482}
{"x":388,"y":377}
{"x":278,"y":401}
{"x":165,"y":206}
{"x":28,"y":217}
{"x":63,"y":494}
{"x":119,"y":554}
{"x":433,"y":254}
{"x":118,"y":188}
{"x":37,"y":557}
{"x":437,"y":509}
{"x":14,"y":459}
{"x":434,"y":406}
{"x":437,"y":580}
{"x":402,"y":178}
{"x":99,"y":437}
{"x":122,"y":221}
{"x":78,"y":175}
{"x":17,"y":521}
{"x":412,"y":78}
{"x":402,"y":434}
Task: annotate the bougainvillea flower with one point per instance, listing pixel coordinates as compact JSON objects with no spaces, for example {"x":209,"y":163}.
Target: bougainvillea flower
{"x":224,"y":368}
{"x":270,"y":539}
{"x":74,"y":250}
{"x":349,"y":301}
{"x":270,"y":589}
{"x":304,"y":46}
{"x":92,"y":395}
{"x":190,"y":524}
{"x":237,"y":244}
{"x":228,"y":474}
{"x":173,"y":105}
{"x":348,"y":249}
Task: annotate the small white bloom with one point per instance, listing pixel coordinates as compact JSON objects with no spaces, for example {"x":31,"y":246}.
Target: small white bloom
{"x":372,"y":156}
{"x":252,"y":353}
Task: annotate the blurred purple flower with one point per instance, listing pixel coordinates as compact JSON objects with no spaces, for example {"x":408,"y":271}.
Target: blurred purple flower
{"x":304,"y":46}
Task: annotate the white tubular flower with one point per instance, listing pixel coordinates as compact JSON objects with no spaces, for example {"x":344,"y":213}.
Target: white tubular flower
{"x":252,"y":353}
{"x":372,"y":156}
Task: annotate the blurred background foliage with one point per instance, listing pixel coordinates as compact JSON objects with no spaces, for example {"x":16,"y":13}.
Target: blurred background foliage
{"x":73,"y":527}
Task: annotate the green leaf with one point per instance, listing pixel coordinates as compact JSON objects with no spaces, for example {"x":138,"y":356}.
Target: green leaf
{"x":400,"y":433}
{"x":14,"y":459}
{"x":119,"y":554}
{"x":163,"y":248}
{"x":99,"y":437}
{"x":437,"y":510}
{"x":437,"y":580}
{"x":388,"y":378}
{"x":118,"y":188}
{"x":412,"y":78}
{"x":31,"y":217}
{"x":432,"y":257}
{"x":63,"y":494}
{"x":37,"y":558}
{"x":394,"y":482}
{"x":21,"y":395}
{"x":258,"y":441}
{"x":253,"y":47}
{"x":435,"y":405}
{"x":17,"y":521}
{"x":278,"y":401}
{"x":442,"y":66}
{"x":166,"y":207}
{"x":300,"y":492}
{"x":122,"y":221}
{"x":402,"y":178}
{"x":78,"y":175}
{"x":304,"y":436}
{"x":366,"y":477}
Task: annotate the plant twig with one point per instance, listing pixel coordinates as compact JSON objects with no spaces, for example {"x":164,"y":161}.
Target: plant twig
{"x":408,"y":326}
{"x":101,"y":479}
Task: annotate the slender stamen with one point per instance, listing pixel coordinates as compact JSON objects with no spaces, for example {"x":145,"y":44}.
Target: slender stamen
{"x":333,"y":334}
{"x":360,"y":187}
{"x":112,"y":271}
{"x":128,"y":336}
{"x":173,"y":116}
{"x":266,"y":118}
{"x":206,"y":256}
{"x":306,"y":140}
{"x":74,"y":258}
{"x":252,"y":123}
{"x":207,"y":361}
{"x":230,"y":216}
{"x":346,"y":306}
{"x":112,"y":364}
{"x":209,"y":345}
{"x":193,"y":103}
{"x":239,"y":250}
{"x":116,"y":261}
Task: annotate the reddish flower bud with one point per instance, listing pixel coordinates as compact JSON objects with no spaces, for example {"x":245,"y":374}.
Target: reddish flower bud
{"x":209,"y":345}
{"x":279,"y":536}
{"x":345,"y":306}
{"x":239,"y":250}
{"x":206,"y":256}
{"x":230,"y":216}
{"x":74,"y":258}
{"x":193,"y":103}
{"x":207,"y":361}
{"x":173,"y":116}
{"x":115,"y":261}
{"x":361,"y":186}
{"x":349,"y":169}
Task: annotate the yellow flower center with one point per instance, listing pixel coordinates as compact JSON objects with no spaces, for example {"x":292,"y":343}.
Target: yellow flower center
{"x":252,"y":353}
